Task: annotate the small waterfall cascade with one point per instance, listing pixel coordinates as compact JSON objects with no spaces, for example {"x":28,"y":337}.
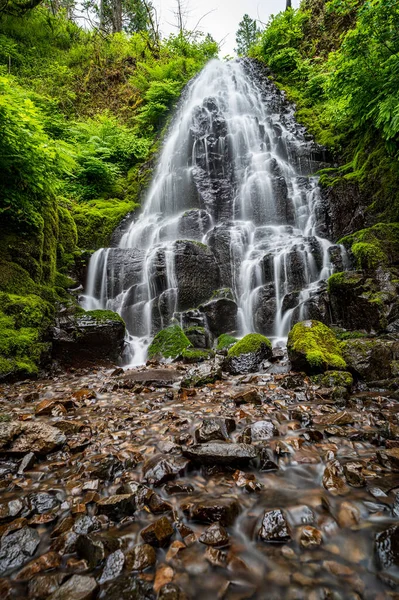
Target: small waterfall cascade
{"x":232,"y":208}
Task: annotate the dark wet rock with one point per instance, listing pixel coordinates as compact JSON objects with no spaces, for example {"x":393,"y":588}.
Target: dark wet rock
{"x":251,"y":396}
{"x":27,"y":462}
{"x":178,"y":487}
{"x":16,"y":548}
{"x":386,"y":483}
{"x":389,"y":458}
{"x":91,"y":549}
{"x":340,"y":418}
{"x":387,"y":547}
{"x":215,"y":535}
{"x":333,"y":479}
{"x":220,"y":314}
{"x":8,"y":467}
{"x":212,"y":429}
{"x":108,"y":468}
{"x":240,"y":360}
{"x":45,"y":562}
{"x":370,"y":359}
{"x":11,"y":509}
{"x":89,"y":336}
{"x":141,"y":493}
{"x":158,"y":533}
{"x":42,"y":502}
{"x":43,"y":585}
{"x":201,"y":375}
{"x":161,"y":468}
{"x":199,"y":337}
{"x":274,"y":527}
{"x":23,"y":437}
{"x":65,"y":543}
{"x":221,"y":453}
{"x":117,"y":506}
{"x":267,"y":462}
{"x":223,"y":510}
{"x":78,"y":587}
{"x":195,"y":262}
{"x":140,"y":557}
{"x":127,"y":588}
{"x":113,"y":566}
{"x":148,"y":378}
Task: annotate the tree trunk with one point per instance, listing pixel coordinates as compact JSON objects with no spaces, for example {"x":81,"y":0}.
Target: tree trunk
{"x":288,"y":4}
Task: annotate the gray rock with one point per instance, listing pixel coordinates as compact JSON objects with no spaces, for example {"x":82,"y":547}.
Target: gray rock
{"x":23,"y":437}
{"x":78,"y":587}
{"x":221,"y":453}
{"x":212,"y":429}
{"x":113,"y":566}
{"x":17,"y":547}
{"x":42,"y":502}
{"x":274,"y":527}
{"x":201,"y":375}
{"x":387,"y":547}
{"x":161,"y":468}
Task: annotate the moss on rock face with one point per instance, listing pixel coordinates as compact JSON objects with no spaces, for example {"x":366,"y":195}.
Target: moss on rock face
{"x":249,"y":343}
{"x":340,"y":379}
{"x":225,"y":341}
{"x":169,"y":343}
{"x":313,"y":348}
{"x":100,"y":316}
{"x":374,"y":246}
{"x":194,"y":355}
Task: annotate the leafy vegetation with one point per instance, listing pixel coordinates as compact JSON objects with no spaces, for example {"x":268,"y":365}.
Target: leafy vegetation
{"x":81,"y":114}
{"x":339,"y":61}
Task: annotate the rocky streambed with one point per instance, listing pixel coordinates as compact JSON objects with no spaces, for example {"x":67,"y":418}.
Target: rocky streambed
{"x":140,"y":485}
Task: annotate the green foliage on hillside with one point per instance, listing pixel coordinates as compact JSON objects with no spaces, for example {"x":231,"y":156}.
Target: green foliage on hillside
{"x":81,"y":114}
{"x":339,"y":61}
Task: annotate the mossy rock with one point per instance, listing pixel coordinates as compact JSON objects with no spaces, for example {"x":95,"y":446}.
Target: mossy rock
{"x":314,"y":348}
{"x":335,"y":379}
{"x":195,"y":355}
{"x":375,"y":246}
{"x":199,"y":337}
{"x":225,"y":341}
{"x":248,"y":354}
{"x":169,"y":343}
{"x":371,"y":359}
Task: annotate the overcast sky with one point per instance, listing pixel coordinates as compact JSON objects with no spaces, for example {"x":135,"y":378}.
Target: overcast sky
{"x":222,"y":23}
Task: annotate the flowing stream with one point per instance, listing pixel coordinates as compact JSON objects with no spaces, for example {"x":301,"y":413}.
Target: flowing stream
{"x":232,"y":206}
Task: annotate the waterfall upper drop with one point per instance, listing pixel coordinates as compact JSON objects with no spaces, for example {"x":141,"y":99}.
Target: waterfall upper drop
{"x":228,"y":235}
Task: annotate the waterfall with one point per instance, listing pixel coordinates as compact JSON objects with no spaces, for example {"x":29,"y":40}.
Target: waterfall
{"x":232,"y":206}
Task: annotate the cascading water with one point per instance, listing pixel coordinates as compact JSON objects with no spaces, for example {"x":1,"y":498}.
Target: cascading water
{"x":232,"y":205}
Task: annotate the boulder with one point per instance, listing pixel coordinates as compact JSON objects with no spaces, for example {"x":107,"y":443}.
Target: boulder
{"x":88,"y":336}
{"x":23,"y":437}
{"x":371,"y":359}
{"x":17,"y":547}
{"x":169,"y":343}
{"x":199,"y":336}
{"x":201,"y":375}
{"x":194,"y":262}
{"x":213,"y":429}
{"x":220,"y":312}
{"x":247,"y":355}
{"x":313,"y":348}
{"x":219,"y":453}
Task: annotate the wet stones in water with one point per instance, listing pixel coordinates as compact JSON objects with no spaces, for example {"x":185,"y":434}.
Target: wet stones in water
{"x":23,"y":437}
{"x":310,"y":537}
{"x":42,"y":502}
{"x":353,"y":474}
{"x":140,"y":557}
{"x":333,"y":479}
{"x":108,"y":468}
{"x":113,"y":566}
{"x":91,"y":549}
{"x":126,"y":588}
{"x":224,"y":510}
{"x":10,"y":510}
{"x":267,"y":462}
{"x":248,"y":362}
{"x":170,"y":591}
{"x":387,"y":547}
{"x":248,"y":397}
{"x":158,"y":505}
{"x":274,"y":527}
{"x":178,"y":487}
{"x":389,"y":458}
{"x":118,"y":506}
{"x":214,"y":429}
{"x":27,"y":462}
{"x":17,"y":547}
{"x":221,"y":453}
{"x":158,"y":533}
{"x":215,"y":535}
{"x":45,"y":562}
{"x":78,"y":587}
{"x":85,"y":524}
{"x":202,"y":375}
{"x":161,"y":468}
{"x":260,"y":431}
{"x":44,"y":585}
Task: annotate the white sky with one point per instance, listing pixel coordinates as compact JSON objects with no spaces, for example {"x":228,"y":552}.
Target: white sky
{"x":223,"y":21}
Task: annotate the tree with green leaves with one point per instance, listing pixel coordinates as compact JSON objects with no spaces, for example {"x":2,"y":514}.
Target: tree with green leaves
{"x":246,"y":35}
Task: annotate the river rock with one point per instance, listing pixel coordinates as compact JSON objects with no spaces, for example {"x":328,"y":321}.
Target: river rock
{"x":118,"y":506}
{"x":91,"y":549}
{"x":113,"y":566}
{"x":140,"y":557}
{"x":260,"y":431}
{"x":42,"y":502}
{"x":214,"y":429}
{"x":215,"y":535}
{"x":274,"y":527}
{"x":221,"y":453}
{"x":126,"y":588}
{"x":370,"y":359}
{"x":158,"y":533}
{"x":251,"y":396}
{"x":389,"y":458}
{"x":78,"y":587}
{"x":223,"y":510}
{"x":161,"y":468}
{"x":171,"y":591}
{"x":17,"y":547}
{"x":387,"y":547}
{"x":23,"y":437}
{"x":248,"y":354}
{"x":202,"y":375}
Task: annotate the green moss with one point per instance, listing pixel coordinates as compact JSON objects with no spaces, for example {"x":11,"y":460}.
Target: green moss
{"x":169,"y":343}
{"x":340,"y":379}
{"x":223,"y":293}
{"x":249,"y":343}
{"x":195,"y":329}
{"x":101,"y":316}
{"x":316,"y":345}
{"x":374,"y":246}
{"x":196,"y":355}
{"x":15,"y":279}
{"x":97,"y":219}
{"x":344,"y":279}
{"x":225,"y":340}
{"x":350,"y":335}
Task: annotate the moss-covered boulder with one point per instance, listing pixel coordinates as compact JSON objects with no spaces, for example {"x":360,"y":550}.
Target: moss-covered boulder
{"x":196,"y":355}
{"x":88,"y":336}
{"x":224,"y":341}
{"x":314,"y":348}
{"x":247,"y":355}
{"x":199,"y":336}
{"x":371,"y":359}
{"x":169,"y":343}
{"x":334,"y":379}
